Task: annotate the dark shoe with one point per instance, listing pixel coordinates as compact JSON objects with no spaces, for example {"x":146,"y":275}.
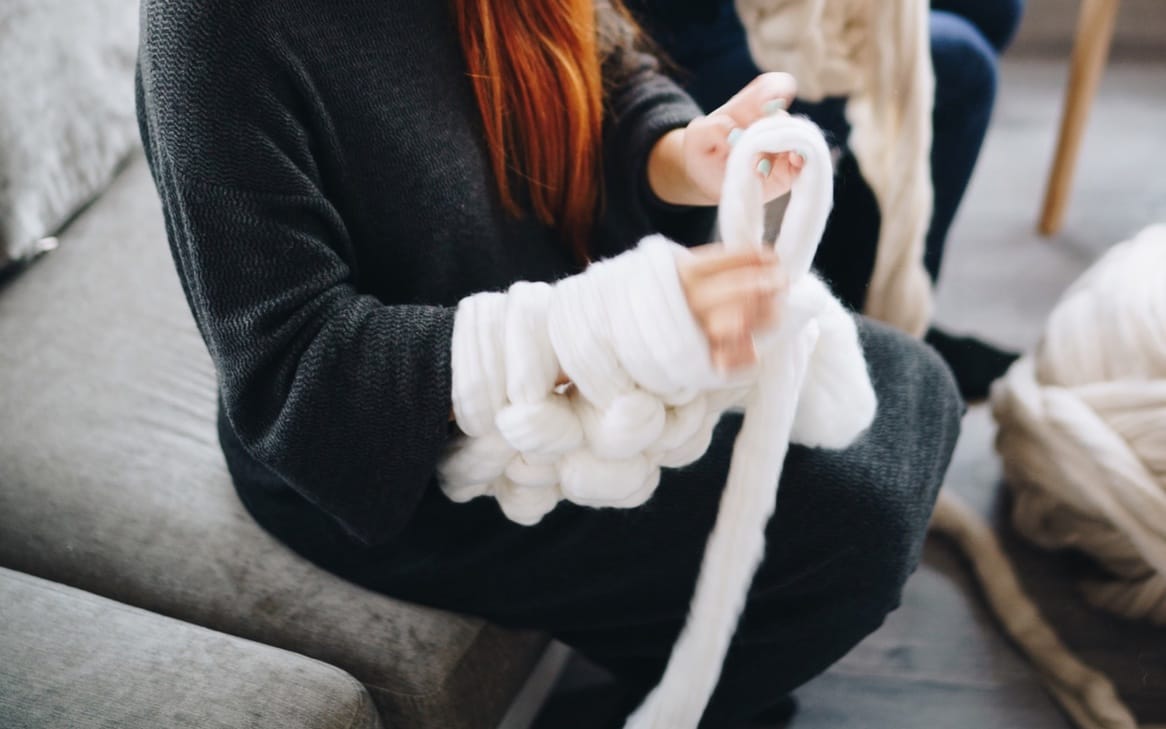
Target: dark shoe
{"x":975,"y":363}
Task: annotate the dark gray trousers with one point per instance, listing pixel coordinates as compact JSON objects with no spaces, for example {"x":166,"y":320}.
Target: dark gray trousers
{"x":616,"y":584}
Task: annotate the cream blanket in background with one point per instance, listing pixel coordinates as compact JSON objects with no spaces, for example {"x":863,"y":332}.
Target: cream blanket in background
{"x":878,"y":54}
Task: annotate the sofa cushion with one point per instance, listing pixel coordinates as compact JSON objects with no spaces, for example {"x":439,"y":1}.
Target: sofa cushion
{"x":72,"y":659}
{"x":66,"y":110}
{"x":111,"y":480}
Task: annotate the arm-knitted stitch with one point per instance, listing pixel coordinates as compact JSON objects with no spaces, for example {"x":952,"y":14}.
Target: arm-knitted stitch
{"x":645,"y":396}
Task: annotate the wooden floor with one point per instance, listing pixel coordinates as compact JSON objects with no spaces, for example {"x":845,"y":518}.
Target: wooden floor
{"x":938,"y":661}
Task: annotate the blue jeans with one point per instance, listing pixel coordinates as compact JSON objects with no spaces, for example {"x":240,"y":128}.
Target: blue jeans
{"x":967,"y":37}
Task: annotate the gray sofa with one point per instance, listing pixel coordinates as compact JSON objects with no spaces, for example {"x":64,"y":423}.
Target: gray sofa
{"x":112,"y":483}
{"x":128,"y":667}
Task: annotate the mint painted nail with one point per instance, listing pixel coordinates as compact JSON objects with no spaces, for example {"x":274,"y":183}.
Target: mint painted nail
{"x":734,"y":136}
{"x":774,"y":106}
{"x":764,"y":167}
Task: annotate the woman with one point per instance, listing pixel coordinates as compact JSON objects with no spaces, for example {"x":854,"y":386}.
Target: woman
{"x":707,"y":43}
{"x":335,"y":176}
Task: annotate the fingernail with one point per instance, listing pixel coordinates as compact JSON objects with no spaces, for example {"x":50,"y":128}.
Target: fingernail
{"x":764,"y":167}
{"x":774,"y":106}
{"x":734,"y":136}
{"x":801,"y":153}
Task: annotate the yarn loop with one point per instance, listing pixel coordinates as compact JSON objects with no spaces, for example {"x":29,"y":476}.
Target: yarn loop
{"x":644,"y":396}
{"x":877,"y":55}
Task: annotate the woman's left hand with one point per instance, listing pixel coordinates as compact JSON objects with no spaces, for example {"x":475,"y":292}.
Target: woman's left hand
{"x":687,"y":166}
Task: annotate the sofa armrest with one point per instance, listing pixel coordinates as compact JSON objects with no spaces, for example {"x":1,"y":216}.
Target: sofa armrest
{"x":72,"y":659}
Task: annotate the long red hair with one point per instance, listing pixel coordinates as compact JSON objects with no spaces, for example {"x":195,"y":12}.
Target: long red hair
{"x":536,"y":71}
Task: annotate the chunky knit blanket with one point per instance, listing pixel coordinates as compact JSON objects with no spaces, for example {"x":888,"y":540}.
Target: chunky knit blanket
{"x":645,"y":396}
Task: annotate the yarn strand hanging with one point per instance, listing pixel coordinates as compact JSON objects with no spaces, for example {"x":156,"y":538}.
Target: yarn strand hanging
{"x":645,"y":396}
{"x":877,"y":55}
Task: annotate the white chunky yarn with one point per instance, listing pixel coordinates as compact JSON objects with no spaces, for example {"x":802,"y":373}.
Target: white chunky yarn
{"x":1082,"y":433}
{"x":1100,"y":438}
{"x":1083,"y":427}
{"x":877,"y":53}
{"x":644,"y":396}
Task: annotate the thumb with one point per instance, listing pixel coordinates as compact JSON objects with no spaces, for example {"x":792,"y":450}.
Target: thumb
{"x":709,"y":135}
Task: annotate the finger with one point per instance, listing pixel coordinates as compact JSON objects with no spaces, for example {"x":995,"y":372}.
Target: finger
{"x":715,"y":257}
{"x":767,"y":310}
{"x":742,"y":287}
{"x":746,"y":314}
{"x":784,"y":163}
{"x":709,"y":135}
{"x":780,"y":174}
{"x":737,"y":355}
{"x":765,"y":165}
{"x":726,"y":325}
{"x":735,"y":322}
{"x":766,"y":94}
{"x":768,"y":314}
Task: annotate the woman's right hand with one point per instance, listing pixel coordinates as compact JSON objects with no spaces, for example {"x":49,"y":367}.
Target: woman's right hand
{"x":733,"y":295}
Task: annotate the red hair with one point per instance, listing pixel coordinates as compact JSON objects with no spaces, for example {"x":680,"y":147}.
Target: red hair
{"x":536,"y":70}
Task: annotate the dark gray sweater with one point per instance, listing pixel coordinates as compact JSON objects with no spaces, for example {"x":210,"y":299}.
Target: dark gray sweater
{"x":328,"y":200}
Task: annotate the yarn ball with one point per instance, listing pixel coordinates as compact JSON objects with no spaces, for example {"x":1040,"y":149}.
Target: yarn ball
{"x":1082,"y":428}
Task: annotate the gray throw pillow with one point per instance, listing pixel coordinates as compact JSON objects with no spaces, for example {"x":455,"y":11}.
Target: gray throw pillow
{"x":66,"y":111}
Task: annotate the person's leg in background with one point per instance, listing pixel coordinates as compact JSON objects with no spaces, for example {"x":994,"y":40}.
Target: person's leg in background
{"x":967,"y":37}
{"x":997,"y":20}
{"x":709,"y":47}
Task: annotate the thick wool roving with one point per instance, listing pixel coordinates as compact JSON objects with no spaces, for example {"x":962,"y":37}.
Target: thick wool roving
{"x":1083,"y":427}
{"x":877,"y":53}
{"x":645,"y":396}
{"x":1082,"y":434}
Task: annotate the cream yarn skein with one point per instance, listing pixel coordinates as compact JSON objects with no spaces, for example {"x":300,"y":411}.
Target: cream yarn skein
{"x":1083,"y":427}
{"x":1082,"y":434}
{"x":645,"y":396}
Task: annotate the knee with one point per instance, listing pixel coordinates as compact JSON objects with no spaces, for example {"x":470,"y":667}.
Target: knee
{"x":850,"y":524}
{"x":998,"y":21}
{"x":965,"y":66}
{"x":919,"y":404}
{"x":904,"y":458}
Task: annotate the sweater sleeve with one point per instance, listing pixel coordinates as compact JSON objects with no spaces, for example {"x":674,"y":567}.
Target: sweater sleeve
{"x":643,"y":105}
{"x":345,"y":398}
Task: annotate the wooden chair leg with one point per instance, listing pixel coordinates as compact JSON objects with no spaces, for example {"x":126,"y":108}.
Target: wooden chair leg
{"x":1090,"y":50}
